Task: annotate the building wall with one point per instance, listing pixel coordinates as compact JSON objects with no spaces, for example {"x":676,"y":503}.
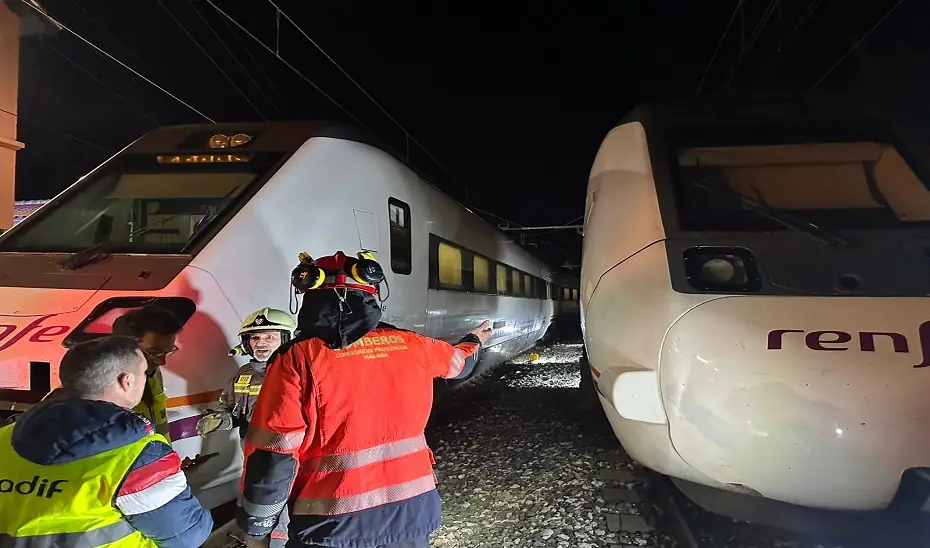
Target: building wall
{"x":9,"y":93}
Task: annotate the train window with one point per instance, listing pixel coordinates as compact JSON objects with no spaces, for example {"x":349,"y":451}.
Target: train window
{"x":142,"y":203}
{"x":574,"y":294}
{"x":835,"y":175}
{"x":450,"y":266}
{"x":482,"y":274}
{"x":527,"y":285}
{"x":502,"y":279}
{"x":515,"y":279}
{"x":566,"y":294}
{"x":401,"y":239}
{"x":541,"y":292}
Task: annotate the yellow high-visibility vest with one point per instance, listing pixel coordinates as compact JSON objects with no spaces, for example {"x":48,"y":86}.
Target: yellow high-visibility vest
{"x":70,"y":504}
{"x":157,"y":411}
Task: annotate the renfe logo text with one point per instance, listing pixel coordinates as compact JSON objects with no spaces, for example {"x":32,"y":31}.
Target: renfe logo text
{"x":840,"y":341}
{"x":38,"y":486}
{"x":39,"y":333}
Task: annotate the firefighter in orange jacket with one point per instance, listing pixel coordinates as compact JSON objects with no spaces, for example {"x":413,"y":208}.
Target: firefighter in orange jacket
{"x":338,"y":426}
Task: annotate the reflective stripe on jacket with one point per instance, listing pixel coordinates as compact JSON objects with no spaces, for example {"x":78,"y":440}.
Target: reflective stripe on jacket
{"x":353,"y":420}
{"x":154,"y":404}
{"x":240,"y":395}
{"x":66,"y":505}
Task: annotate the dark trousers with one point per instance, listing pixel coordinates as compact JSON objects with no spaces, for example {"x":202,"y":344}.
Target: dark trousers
{"x":420,"y":542}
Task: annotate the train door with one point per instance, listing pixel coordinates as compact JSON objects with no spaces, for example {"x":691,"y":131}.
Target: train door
{"x":405,"y":269}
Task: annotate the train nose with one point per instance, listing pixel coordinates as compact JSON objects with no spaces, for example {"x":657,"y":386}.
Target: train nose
{"x":806,"y":400}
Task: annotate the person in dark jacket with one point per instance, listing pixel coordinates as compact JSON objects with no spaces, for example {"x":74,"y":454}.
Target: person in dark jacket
{"x":102,"y":380}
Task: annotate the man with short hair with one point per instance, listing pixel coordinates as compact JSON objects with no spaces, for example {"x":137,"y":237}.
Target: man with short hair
{"x":85,"y":470}
{"x":156,"y":330}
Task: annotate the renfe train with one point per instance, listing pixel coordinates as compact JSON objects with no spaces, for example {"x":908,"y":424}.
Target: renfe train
{"x":754,"y":296}
{"x":208,"y":221}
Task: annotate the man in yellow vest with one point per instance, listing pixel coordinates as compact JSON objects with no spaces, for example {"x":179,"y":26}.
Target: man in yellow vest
{"x":156,"y":330}
{"x":81,"y":469}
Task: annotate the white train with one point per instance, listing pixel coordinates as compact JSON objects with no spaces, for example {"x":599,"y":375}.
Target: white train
{"x":754,"y":297}
{"x":208,"y":220}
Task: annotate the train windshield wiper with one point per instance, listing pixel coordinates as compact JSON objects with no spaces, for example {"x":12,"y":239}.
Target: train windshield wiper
{"x":100,"y":251}
{"x":787,"y":220}
{"x":209,"y":217}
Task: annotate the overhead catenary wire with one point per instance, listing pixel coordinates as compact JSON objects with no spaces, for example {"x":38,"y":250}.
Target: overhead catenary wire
{"x":509,"y":222}
{"x":798,"y":26}
{"x":213,"y":61}
{"x":132,"y":55}
{"x":258,"y":64}
{"x":68,"y":135}
{"x":726,"y":31}
{"x":498,"y":217}
{"x":21,"y":119}
{"x":290,"y":66}
{"x":101,"y":82}
{"x":114,"y":59}
{"x":365,"y":92}
{"x":561,"y":227}
{"x":235,"y":57}
{"x":857,"y":44}
{"x":757,"y":31}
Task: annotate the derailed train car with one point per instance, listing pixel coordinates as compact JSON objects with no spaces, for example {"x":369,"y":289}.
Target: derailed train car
{"x":754,"y":296}
{"x":208,"y":221}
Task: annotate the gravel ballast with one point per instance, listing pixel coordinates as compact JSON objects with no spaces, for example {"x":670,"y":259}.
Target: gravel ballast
{"x":523,"y":459}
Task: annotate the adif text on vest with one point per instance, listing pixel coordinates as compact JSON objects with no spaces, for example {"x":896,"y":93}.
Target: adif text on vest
{"x":38,"y":486}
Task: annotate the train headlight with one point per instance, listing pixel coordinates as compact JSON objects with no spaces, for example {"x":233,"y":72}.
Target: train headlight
{"x":239,"y":139}
{"x":723,"y":269}
{"x":218,"y":141}
{"x":224,"y":141}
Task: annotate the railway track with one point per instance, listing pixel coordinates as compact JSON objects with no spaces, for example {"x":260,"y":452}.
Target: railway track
{"x":682,"y":524}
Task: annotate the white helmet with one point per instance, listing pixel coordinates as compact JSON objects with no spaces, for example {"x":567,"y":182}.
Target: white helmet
{"x":266,"y":319}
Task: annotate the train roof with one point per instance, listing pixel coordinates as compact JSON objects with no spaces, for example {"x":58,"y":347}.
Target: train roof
{"x":289,"y":136}
{"x":741,"y":108}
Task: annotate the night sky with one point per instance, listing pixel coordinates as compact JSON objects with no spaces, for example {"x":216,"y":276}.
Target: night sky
{"x":513,"y":98}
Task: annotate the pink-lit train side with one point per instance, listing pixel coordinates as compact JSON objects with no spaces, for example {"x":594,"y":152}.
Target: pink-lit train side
{"x":754,"y":297}
{"x":213,"y":233}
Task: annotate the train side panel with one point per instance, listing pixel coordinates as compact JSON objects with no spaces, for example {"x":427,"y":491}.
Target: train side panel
{"x":627,"y":302}
{"x":330,"y":194}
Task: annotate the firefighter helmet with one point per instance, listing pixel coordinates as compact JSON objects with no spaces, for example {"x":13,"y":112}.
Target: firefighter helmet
{"x":362,"y":273}
{"x":266,"y":319}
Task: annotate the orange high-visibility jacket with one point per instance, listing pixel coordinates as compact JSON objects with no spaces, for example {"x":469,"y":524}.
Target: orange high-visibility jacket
{"x":352,"y":418}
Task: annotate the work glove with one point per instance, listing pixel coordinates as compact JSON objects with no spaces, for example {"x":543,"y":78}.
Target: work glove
{"x":214,"y":421}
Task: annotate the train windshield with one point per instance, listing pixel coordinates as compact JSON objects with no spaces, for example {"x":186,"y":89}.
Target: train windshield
{"x":142,"y":204}
{"x":841,"y":176}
